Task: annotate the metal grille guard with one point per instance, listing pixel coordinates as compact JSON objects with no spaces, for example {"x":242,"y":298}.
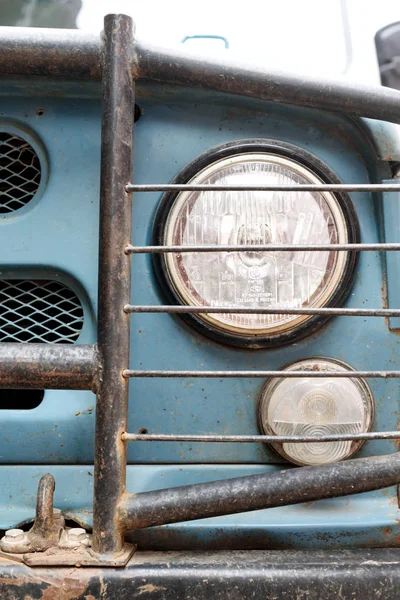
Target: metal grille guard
{"x":104,"y":368}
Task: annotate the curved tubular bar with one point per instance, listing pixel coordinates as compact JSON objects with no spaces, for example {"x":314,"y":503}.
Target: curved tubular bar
{"x":226,"y":75}
{"x":77,"y":55}
{"x":255,"y":492}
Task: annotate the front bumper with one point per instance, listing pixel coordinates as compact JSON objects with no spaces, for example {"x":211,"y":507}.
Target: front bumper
{"x":237,"y":575}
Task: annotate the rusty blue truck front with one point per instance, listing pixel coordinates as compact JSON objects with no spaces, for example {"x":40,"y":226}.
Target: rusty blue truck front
{"x":199,"y":325}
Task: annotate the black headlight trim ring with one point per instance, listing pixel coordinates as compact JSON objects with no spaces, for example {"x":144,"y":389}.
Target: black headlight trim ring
{"x":303,"y":158}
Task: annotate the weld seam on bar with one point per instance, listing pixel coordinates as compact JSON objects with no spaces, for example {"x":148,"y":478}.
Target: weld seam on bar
{"x":277,"y":439}
{"x":259,"y":374}
{"x":349,"y":312}
{"x":301,"y":187}
{"x":130,"y":249}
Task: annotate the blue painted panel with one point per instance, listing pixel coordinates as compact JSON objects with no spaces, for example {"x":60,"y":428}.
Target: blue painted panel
{"x":56,"y":237}
{"x":228,"y":406}
{"x":60,"y":234}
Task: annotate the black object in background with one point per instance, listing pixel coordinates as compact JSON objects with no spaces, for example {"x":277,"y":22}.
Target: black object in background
{"x":387,"y":42}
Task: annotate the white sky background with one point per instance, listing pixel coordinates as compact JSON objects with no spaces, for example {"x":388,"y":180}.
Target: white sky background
{"x":301,"y":35}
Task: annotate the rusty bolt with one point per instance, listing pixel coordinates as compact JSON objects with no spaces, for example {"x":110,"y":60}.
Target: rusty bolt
{"x":15,"y":535}
{"x":74,"y":538}
{"x":77,"y":534}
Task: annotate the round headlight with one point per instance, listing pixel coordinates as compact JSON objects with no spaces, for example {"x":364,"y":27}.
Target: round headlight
{"x":256,"y":279}
{"x":316,"y":406}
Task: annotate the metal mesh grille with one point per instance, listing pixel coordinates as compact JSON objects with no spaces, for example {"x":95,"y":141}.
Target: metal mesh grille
{"x":20,"y":172}
{"x":39,"y":311}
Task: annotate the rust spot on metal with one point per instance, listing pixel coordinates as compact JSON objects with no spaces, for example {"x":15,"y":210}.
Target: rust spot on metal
{"x":66,"y":589}
{"x":395,"y":541}
{"x":149,"y":588}
{"x":397,"y":442}
{"x":52,"y":366}
{"x":316,"y":367}
{"x":88,"y":411}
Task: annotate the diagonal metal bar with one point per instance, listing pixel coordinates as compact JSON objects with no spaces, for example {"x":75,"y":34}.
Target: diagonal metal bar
{"x":255,"y":492}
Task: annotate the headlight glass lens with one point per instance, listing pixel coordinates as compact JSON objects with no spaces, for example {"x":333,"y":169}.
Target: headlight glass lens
{"x":255,"y":279}
{"x":316,"y":406}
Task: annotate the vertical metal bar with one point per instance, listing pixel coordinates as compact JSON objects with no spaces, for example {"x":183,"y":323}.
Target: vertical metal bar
{"x":114,"y":281}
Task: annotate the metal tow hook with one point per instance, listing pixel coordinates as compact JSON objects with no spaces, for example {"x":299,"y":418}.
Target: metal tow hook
{"x":48,"y":530}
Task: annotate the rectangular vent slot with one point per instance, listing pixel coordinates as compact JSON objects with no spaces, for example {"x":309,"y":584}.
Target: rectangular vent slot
{"x":34,"y":311}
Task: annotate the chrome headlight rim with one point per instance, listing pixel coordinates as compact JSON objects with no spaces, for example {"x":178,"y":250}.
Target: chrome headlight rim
{"x":270,"y":385}
{"x":305,"y":160}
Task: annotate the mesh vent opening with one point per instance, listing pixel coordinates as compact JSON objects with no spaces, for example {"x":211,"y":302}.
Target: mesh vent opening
{"x":20,"y":172}
{"x":37,"y":311}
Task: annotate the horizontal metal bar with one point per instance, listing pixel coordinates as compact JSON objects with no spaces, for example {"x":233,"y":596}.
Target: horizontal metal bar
{"x":195,"y":573}
{"x":130,"y":249}
{"x":77,"y":55}
{"x":298,"y":187}
{"x":348,"y":312}
{"x":48,"y":366}
{"x":274,"y":439}
{"x":258,"y":374}
{"x":69,"y":53}
{"x":225,"y":74}
{"x":256,"y":492}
